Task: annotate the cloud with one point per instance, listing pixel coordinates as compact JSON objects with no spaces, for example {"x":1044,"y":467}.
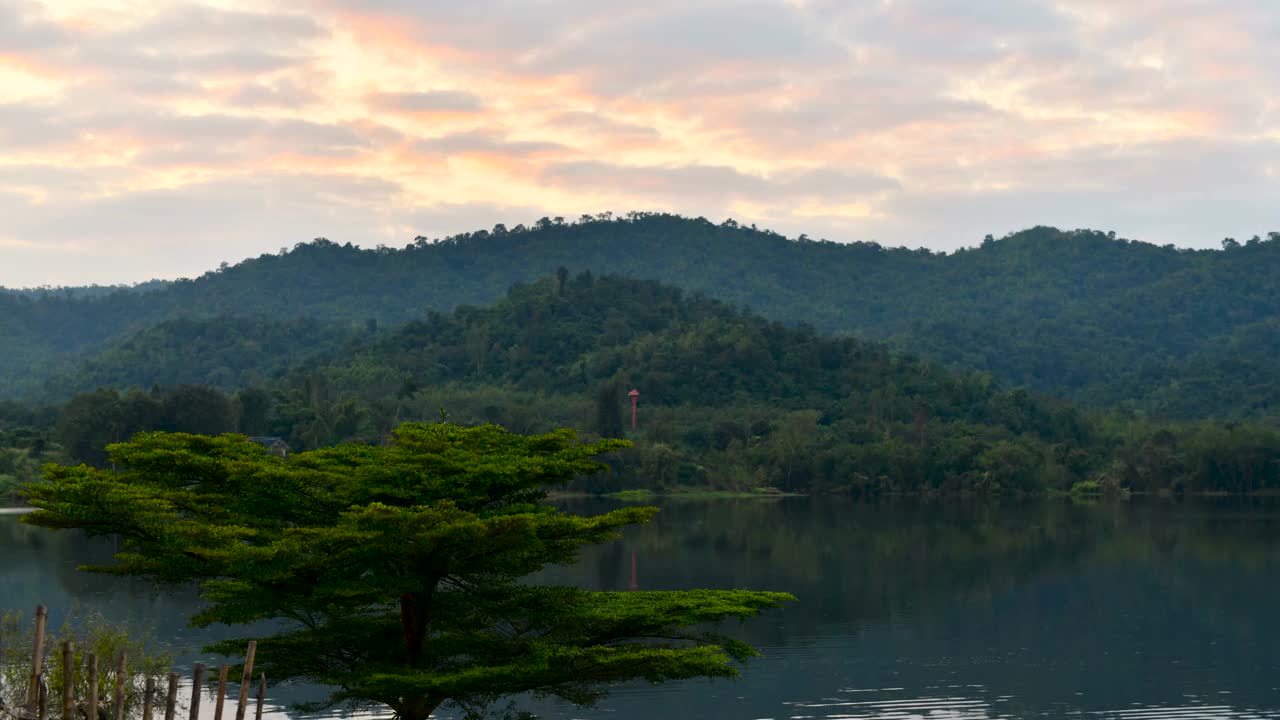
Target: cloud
{"x":285,"y":93}
{"x":28,"y":125}
{"x":662,"y":50}
{"x":175,"y":47}
{"x":199,"y":27}
{"x":152,"y":137}
{"x":39,"y":183}
{"x":483,"y":142}
{"x":446,"y":219}
{"x":23,"y":28}
{"x":1147,"y":186}
{"x":444,"y":101}
{"x":186,"y":230}
{"x":908,"y":122}
{"x":715,"y":184}
{"x":594,"y":125}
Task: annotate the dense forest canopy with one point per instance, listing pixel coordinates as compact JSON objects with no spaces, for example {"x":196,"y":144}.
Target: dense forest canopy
{"x":1082,"y":314}
{"x":729,"y":400}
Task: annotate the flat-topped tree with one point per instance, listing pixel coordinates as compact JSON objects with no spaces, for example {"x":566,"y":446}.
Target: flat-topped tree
{"x":397,"y":569}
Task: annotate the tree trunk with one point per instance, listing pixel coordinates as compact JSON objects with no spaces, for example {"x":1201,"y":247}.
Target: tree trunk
{"x":414,"y":632}
{"x":415,"y":621}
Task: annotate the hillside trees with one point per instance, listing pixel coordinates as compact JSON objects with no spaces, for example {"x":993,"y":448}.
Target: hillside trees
{"x":1161,"y":331}
{"x":731,"y":401}
{"x":92,"y":421}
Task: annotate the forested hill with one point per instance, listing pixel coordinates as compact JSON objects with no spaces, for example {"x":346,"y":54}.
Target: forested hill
{"x":728,"y":400}
{"x":1078,"y":314}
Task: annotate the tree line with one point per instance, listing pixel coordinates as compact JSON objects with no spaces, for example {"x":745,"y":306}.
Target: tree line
{"x":729,"y":400}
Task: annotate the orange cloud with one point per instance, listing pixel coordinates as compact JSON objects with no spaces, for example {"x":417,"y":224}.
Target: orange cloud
{"x":31,"y":66}
{"x":712,"y":110}
{"x":397,"y":37}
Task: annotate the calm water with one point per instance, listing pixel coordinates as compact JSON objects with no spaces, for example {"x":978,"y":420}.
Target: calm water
{"x":1137,"y":610}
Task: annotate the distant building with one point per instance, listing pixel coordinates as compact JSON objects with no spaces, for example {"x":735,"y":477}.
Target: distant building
{"x":274,"y":445}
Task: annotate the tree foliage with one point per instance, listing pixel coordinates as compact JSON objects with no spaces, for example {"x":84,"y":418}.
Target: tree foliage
{"x":729,"y":401}
{"x":1162,"y":331}
{"x":397,"y":569}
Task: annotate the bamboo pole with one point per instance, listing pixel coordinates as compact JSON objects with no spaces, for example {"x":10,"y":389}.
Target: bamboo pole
{"x":92,"y":672}
{"x":246,"y":679}
{"x":122,"y":671}
{"x":171,"y":702}
{"x":222,"y":692}
{"x":197,"y":681}
{"x":148,"y":698}
{"x":262,"y":696}
{"x":68,"y":680}
{"x":37,"y":657}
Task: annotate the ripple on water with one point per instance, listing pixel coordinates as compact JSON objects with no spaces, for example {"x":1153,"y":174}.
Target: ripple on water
{"x":963,"y":703}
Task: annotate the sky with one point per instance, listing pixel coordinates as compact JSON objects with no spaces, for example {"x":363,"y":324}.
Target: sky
{"x":150,"y":138}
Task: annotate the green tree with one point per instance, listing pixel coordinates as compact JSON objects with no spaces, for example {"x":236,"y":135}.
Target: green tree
{"x":197,"y":409}
{"x":91,"y":421}
{"x":88,"y":423}
{"x":396,"y":570}
{"x":1010,"y":466}
{"x":562,"y":276}
{"x":608,"y":411}
{"x":253,"y":411}
{"x":796,"y":434}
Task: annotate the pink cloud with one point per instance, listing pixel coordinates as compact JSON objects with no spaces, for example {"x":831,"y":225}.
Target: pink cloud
{"x":711,"y":108}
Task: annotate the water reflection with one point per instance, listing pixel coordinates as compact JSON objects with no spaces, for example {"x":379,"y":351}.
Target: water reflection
{"x":907,"y":610}
{"x":1051,"y":608}
{"x":975,"y":703}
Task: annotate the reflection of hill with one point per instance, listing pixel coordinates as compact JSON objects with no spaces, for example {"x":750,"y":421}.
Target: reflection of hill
{"x":855,"y":565}
{"x":1066,"y":607}
{"x":1059,"y":608}
{"x":849,"y":563}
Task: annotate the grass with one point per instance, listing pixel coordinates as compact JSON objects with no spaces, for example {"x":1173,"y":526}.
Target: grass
{"x":633,"y":495}
{"x":1087,"y":487}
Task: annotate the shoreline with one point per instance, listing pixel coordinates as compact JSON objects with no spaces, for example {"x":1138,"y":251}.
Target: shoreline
{"x":644,"y":495}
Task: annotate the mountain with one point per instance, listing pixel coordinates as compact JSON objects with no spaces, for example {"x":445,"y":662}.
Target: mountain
{"x":728,"y":400}
{"x":225,"y":352}
{"x":1077,"y":314}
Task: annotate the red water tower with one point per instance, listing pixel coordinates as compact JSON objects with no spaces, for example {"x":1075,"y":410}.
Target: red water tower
{"x":635,"y":398}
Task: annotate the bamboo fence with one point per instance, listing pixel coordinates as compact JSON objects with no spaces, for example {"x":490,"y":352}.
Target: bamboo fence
{"x":112,"y":706}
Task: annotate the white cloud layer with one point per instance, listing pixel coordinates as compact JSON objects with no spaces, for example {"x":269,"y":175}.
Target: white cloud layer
{"x":159,"y":139}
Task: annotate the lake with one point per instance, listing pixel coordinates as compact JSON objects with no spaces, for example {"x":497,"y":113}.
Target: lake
{"x":1141,"y":610}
